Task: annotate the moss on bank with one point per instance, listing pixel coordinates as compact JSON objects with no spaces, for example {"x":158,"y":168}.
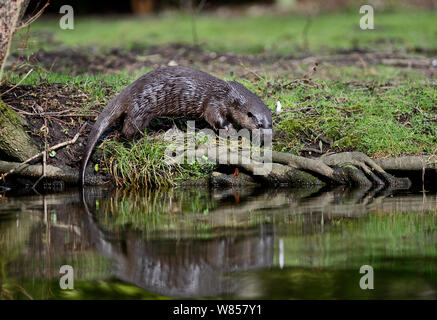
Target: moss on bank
{"x":15,"y":144}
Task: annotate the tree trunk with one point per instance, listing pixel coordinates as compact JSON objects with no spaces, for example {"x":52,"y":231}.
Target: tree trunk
{"x":11,"y":12}
{"x":142,"y":7}
{"x":15,"y":144}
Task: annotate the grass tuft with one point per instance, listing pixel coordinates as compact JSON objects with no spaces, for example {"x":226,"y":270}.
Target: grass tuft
{"x":142,"y":163}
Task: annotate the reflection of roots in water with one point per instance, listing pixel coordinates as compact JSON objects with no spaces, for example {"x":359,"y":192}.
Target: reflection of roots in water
{"x":225,"y":207}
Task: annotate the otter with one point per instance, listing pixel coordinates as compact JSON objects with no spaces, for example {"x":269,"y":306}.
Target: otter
{"x":179,"y":91}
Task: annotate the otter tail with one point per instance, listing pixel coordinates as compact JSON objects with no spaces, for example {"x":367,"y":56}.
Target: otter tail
{"x":110,"y":113}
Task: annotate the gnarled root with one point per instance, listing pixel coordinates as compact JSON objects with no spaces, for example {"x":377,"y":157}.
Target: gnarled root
{"x":353,"y":168}
{"x":370,"y":173}
{"x":274,"y":174}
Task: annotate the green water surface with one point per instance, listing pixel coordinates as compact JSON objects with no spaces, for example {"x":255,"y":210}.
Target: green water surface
{"x":200,"y":243}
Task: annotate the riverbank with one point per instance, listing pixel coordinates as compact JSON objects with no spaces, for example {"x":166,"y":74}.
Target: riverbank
{"x":357,"y":98}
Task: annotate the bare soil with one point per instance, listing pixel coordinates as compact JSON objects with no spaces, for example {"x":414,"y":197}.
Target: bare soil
{"x":53,"y":113}
{"x":87,"y":61}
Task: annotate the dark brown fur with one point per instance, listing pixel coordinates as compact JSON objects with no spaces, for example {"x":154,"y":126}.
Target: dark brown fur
{"x":179,"y":91}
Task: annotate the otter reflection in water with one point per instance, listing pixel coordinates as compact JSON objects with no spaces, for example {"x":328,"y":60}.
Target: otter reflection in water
{"x":183,"y":267}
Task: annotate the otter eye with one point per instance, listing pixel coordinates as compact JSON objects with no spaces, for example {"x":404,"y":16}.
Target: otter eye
{"x":250,"y":115}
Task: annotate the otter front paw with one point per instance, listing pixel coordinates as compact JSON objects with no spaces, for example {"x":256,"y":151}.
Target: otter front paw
{"x":230,"y":129}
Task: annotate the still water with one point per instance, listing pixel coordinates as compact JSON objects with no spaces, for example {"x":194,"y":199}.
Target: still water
{"x":200,"y":243}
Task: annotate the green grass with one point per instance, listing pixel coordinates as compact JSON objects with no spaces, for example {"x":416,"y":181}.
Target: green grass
{"x":379,"y":113}
{"x":138,"y":163}
{"x":383,"y":112}
{"x":143,"y":163}
{"x":376,"y":117}
{"x":245,"y":34}
{"x":95,"y":84}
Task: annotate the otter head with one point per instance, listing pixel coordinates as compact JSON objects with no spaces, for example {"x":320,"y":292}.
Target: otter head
{"x":248,"y":110}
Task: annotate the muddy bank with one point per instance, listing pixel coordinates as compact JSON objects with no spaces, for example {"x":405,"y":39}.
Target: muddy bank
{"x":87,"y":60}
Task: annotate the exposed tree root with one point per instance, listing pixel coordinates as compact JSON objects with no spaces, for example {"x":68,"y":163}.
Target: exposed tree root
{"x":373,"y":173}
{"x":408,"y":163}
{"x":348,"y":168}
{"x":354,"y":168}
{"x":312,"y":165}
{"x":52,"y":172}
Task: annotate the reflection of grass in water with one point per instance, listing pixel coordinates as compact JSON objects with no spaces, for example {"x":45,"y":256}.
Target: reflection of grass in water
{"x":378,"y":240}
{"x":155,"y":210}
{"x":25,"y":274}
{"x":40,"y":279}
{"x":110,"y":289}
{"x":175,"y":213}
{"x":323,"y":262}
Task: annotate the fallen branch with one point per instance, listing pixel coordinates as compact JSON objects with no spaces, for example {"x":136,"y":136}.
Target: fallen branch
{"x":57,"y":114}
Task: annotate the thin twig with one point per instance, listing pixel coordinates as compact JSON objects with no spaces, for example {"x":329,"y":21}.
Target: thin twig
{"x":14,"y":66}
{"x":44,"y":169}
{"x":33,"y":18}
{"x":305,"y":30}
{"x":54,"y":114}
{"x":424,"y":115}
{"x":44,"y":155}
{"x":194,"y":13}
{"x":76,"y":115}
{"x":251,"y":71}
{"x":300,"y":109}
{"x":17,"y":84}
